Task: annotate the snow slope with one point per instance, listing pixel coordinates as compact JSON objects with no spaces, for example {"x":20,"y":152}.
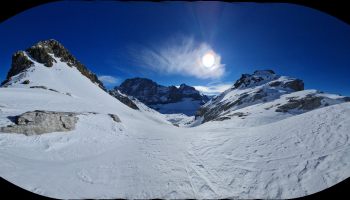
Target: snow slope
{"x":144,"y":159}
{"x":145,"y":156}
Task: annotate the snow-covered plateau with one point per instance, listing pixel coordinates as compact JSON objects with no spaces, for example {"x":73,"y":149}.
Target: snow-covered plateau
{"x":265,"y":154}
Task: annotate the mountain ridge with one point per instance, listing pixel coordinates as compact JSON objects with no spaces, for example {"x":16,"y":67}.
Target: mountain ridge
{"x":262,"y":87}
{"x":160,"y":97}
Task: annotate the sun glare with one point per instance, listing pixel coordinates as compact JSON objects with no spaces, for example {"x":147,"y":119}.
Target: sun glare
{"x":208,"y":60}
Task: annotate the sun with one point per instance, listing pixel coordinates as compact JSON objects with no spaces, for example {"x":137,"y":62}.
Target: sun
{"x":208,"y":60}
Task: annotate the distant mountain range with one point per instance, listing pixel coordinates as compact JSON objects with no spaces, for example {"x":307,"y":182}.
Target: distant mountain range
{"x":167,"y":100}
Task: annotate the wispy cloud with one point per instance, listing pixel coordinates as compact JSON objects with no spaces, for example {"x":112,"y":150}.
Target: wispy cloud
{"x":180,"y":55}
{"x":108,"y":80}
{"x":213,"y":89}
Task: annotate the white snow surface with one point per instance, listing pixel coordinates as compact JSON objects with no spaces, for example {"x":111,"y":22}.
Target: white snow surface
{"x":180,"y":119}
{"x":144,"y":156}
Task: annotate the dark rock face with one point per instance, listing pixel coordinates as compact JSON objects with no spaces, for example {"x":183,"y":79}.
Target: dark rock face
{"x":346,"y":99}
{"x":214,"y":113}
{"x":296,"y":85}
{"x":40,"y":52}
{"x":20,"y":62}
{"x":124,"y":99}
{"x":275,"y":83}
{"x":258,"y":77}
{"x":307,"y":103}
{"x":143,"y":89}
{"x":114,"y":117}
{"x":150,"y":93}
{"x":25,"y":82}
{"x":39,"y":122}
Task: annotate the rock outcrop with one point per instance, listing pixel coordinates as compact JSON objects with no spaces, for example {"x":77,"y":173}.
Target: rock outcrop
{"x":39,"y":122}
{"x":307,"y":103}
{"x":115,"y":117}
{"x":20,"y":62}
{"x":123,"y":98}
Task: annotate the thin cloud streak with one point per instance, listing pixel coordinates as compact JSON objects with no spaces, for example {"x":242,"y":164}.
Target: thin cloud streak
{"x":108,"y":80}
{"x":180,"y":56}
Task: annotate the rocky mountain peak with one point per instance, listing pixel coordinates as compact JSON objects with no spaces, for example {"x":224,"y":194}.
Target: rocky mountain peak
{"x":183,"y":86}
{"x":45,"y":52}
{"x":250,"y":89}
{"x":257,"y":78}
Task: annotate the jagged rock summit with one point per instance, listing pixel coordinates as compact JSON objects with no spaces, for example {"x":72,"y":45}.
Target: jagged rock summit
{"x":260,"y":77}
{"x":47,"y":53}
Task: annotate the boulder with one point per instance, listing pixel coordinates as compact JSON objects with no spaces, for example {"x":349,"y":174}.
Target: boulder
{"x":39,"y":122}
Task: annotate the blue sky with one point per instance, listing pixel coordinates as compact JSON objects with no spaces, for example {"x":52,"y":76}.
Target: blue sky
{"x":162,"y":41}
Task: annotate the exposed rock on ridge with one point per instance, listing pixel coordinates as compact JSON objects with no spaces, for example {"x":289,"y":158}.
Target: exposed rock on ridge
{"x":124,"y":99}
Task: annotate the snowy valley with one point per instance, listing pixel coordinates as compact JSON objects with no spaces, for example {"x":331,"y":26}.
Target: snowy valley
{"x":63,"y":135}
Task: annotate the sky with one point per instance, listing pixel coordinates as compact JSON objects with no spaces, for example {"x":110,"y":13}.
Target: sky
{"x":166,"y":41}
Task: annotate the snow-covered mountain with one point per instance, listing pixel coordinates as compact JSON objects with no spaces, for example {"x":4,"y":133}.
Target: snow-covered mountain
{"x":264,"y":97}
{"x":45,"y":53}
{"x":167,"y":100}
{"x":63,"y":136}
